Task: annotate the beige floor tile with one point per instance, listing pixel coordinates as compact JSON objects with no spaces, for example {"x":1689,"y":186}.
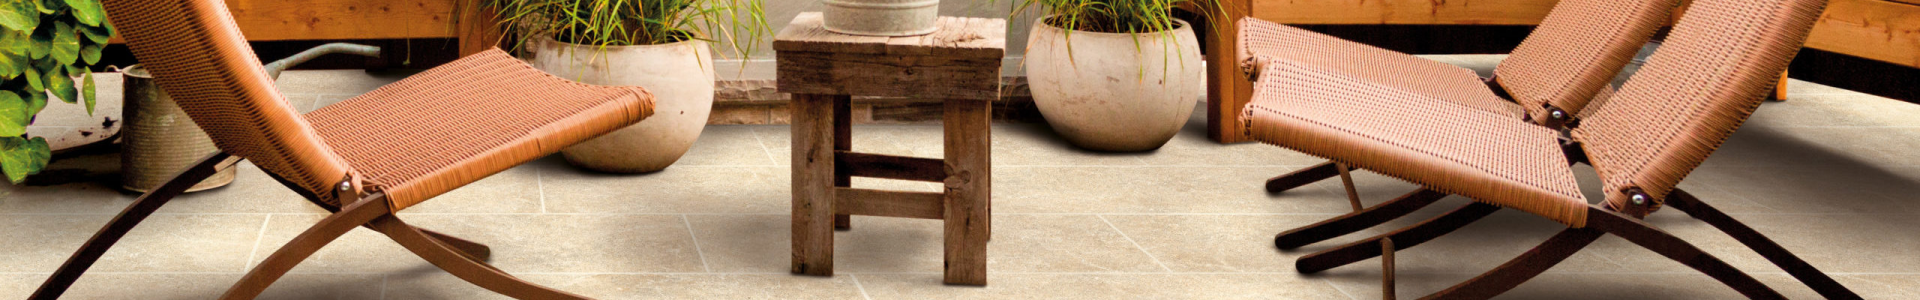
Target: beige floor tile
{"x":252,"y":191}
{"x":199,"y":286}
{"x":515,"y":190}
{"x":350,"y":82}
{"x":437,"y":285}
{"x":1021,"y":243}
{"x":1102,"y":286}
{"x":1837,"y":243}
{"x":162,"y":243}
{"x":1552,"y":285}
{"x":1849,"y":109}
{"x":1147,"y":189}
{"x":1882,"y":286}
{"x":520,"y":243}
{"x":726,"y":145}
{"x":685,"y":189}
{"x":1815,"y":188}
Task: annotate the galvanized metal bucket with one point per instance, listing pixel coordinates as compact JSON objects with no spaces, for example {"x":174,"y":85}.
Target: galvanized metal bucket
{"x":882,"y":17}
{"x":159,"y":140}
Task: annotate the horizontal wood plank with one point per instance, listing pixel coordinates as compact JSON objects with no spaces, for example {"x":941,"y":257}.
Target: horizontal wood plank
{"x":865,"y":202}
{"x":960,"y":37}
{"x":925,"y":77}
{"x":1481,"y":12}
{"x":273,"y":20}
{"x":890,"y":167}
{"x":1873,"y":29}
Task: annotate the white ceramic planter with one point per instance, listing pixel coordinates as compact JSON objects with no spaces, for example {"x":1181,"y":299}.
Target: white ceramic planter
{"x":680,"y":76}
{"x":882,"y":17}
{"x":1115,"y":92}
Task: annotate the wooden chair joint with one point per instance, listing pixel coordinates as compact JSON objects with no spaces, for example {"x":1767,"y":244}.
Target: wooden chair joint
{"x":889,"y":166}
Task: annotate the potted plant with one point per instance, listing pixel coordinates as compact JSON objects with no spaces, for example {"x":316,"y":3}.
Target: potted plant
{"x":661,"y":45}
{"x":44,"y":46}
{"x":1115,"y":75}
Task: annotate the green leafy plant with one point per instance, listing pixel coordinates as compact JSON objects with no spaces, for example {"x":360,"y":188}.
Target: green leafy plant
{"x":1118,"y":16}
{"x":44,"y":45}
{"x":739,"y":23}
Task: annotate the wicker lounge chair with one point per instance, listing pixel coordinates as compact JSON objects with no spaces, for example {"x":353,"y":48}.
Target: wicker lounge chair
{"x":1548,"y":81}
{"x":1549,"y":78}
{"x":364,"y":158}
{"x":1716,"y":66}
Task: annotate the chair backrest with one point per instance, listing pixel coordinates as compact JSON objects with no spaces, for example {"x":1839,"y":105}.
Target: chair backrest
{"x":1706,"y":79}
{"x":197,"y":55}
{"x":1576,"y":50}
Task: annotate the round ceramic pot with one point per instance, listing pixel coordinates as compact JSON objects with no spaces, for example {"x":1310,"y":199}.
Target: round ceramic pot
{"x":882,"y":17}
{"x":1115,"y":92}
{"x":680,"y":76}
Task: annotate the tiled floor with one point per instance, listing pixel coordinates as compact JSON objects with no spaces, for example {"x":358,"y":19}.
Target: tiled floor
{"x":1830,"y":174}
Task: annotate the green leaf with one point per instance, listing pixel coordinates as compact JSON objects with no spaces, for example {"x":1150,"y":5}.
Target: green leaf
{"x":90,"y":54}
{"x":20,"y":157}
{"x":66,"y":43}
{"x":86,"y":90}
{"x":34,"y":81}
{"x":19,"y":15}
{"x":87,"y":11}
{"x":36,"y":101}
{"x":42,"y":43}
{"x":13,"y":114}
{"x":98,"y":34}
{"x":10,"y":66}
{"x":52,"y":6}
{"x":61,"y":86}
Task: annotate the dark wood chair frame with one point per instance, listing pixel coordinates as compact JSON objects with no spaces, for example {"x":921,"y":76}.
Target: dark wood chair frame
{"x":1600,"y":220}
{"x":464,"y":259}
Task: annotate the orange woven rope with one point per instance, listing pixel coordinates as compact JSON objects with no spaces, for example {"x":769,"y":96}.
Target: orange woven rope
{"x":1705,"y":81}
{"x":1576,"y":50}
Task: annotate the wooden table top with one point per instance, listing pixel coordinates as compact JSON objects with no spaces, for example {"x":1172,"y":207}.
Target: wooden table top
{"x":957,"y":37}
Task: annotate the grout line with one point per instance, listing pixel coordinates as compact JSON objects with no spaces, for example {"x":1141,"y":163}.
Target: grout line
{"x":1136,"y":245}
{"x":257,"y":239}
{"x":862,"y":288}
{"x":696,"y":244}
{"x":383,"y":286}
{"x":763,"y":146}
{"x":1337,"y":288}
{"x":540,"y":186}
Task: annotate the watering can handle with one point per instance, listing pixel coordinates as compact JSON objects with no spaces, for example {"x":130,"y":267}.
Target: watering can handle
{"x":273,"y":69}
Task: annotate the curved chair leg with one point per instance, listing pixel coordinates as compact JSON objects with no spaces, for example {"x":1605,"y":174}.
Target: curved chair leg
{"x":1302,"y":177}
{"x":1800,"y":269}
{"x":330,"y":228}
{"x":1402,"y":239}
{"x":473,"y":250}
{"x":1357,"y":221}
{"x":138,"y":211}
{"x":457,"y":263}
{"x":1520,"y":269}
{"x":1659,"y":241}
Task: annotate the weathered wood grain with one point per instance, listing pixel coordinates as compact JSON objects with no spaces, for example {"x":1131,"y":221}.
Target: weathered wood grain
{"x":957,"y":37}
{"x":1481,"y":12}
{"x":865,"y":202}
{"x":888,"y":75}
{"x":842,"y":143}
{"x":812,"y":184}
{"x":968,"y":194}
{"x":890,"y":167}
{"x":274,"y":20}
{"x":1878,"y":30}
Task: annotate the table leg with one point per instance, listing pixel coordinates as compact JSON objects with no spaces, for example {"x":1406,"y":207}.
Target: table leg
{"x":843,"y":141}
{"x":813,"y":178}
{"x":968,"y":153}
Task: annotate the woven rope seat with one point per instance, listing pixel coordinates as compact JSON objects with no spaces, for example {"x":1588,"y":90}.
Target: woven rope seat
{"x":1266,"y":42}
{"x":457,"y":123}
{"x":1444,"y":145}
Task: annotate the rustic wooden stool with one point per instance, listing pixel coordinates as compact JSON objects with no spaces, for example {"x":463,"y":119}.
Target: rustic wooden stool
{"x":960,"y":63}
